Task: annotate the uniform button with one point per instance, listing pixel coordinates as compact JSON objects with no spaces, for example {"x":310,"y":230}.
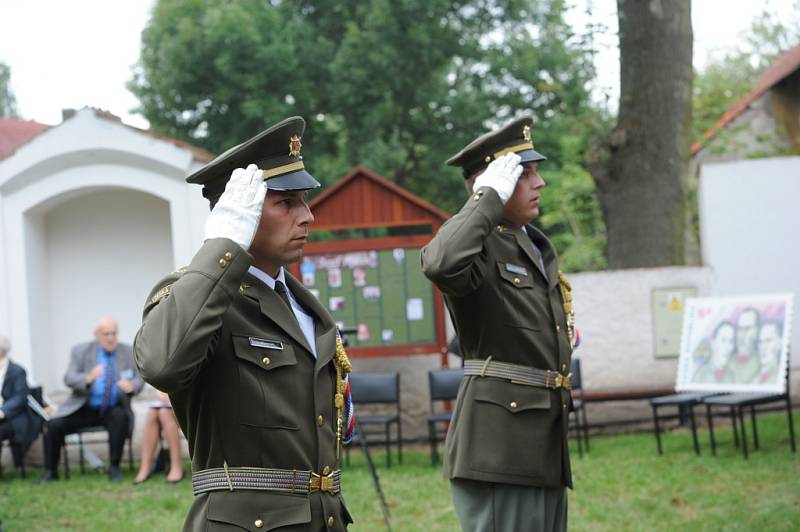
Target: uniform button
{"x":320,"y":420}
{"x":266,"y":361}
{"x":228,"y":255}
{"x":563,"y":368}
{"x":564,"y":405}
{"x":516,"y":280}
{"x":513,"y":404}
{"x":476,"y":197}
{"x":259,"y":523}
{"x":223,"y":263}
{"x":558,"y":328}
{"x":326,"y":470}
{"x":330,"y":521}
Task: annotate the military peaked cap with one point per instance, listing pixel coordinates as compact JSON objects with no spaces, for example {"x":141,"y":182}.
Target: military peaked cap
{"x":514,"y":137}
{"x":276,"y":151}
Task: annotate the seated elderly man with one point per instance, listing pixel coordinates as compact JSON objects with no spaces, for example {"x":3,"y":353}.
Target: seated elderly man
{"x":17,"y":422}
{"x":103,"y":378}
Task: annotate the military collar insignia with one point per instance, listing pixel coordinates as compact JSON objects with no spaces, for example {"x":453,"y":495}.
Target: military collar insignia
{"x":294,"y":146}
{"x":526,"y":133}
{"x":513,"y":268}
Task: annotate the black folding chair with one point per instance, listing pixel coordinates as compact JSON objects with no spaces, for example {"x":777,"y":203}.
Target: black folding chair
{"x":685,"y":403}
{"x":736,"y":404}
{"x":96,"y":429}
{"x":376,"y":389}
{"x":443,"y":385}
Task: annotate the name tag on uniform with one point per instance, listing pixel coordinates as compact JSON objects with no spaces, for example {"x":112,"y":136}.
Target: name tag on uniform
{"x":266,"y":344}
{"x":513,"y":268}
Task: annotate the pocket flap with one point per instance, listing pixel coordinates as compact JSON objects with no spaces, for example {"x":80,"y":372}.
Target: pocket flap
{"x":266,"y":353}
{"x":243,"y":509}
{"x":513,"y":397}
{"x":513,"y":275}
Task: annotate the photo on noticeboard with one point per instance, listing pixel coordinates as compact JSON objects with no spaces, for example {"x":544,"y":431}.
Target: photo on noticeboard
{"x":735,"y":344}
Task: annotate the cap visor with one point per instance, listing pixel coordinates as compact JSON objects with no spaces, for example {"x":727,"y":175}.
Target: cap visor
{"x":299,"y":180}
{"x":530,"y":156}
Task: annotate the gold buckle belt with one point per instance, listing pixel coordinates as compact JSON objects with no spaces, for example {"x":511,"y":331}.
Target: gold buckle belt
{"x":255,"y":478}
{"x":517,"y":374}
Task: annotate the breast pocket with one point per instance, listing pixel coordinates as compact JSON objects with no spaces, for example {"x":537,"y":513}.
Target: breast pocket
{"x":525,"y":301}
{"x":267,"y":381}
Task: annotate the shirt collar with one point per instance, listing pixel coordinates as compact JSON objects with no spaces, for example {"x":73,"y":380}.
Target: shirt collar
{"x":266,"y":278}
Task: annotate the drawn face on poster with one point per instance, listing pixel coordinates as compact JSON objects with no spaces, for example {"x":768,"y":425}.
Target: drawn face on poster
{"x":735,"y":344}
{"x":362,"y":332}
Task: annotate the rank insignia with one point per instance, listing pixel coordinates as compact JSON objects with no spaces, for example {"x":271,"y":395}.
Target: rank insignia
{"x":526,"y":133}
{"x":294,"y":146}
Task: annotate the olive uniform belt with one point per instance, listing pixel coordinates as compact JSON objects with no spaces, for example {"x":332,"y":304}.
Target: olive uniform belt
{"x":256,"y":478}
{"x":517,"y":374}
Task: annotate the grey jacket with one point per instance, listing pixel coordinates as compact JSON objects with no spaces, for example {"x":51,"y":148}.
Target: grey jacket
{"x":81,"y":361}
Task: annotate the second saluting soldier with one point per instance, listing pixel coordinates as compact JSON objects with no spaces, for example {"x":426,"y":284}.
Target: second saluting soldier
{"x":506,"y":450}
{"x":252,"y":362}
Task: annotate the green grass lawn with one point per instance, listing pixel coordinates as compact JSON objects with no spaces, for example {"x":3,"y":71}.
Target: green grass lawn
{"x":621,"y":485}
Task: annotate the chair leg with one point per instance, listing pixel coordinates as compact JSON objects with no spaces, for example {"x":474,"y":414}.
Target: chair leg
{"x":755,"y":426}
{"x":130,"y":453}
{"x":657,"y":430}
{"x":791,"y":422}
{"x":80,"y":453}
{"x":711,"y":430}
{"x":744,"y":434}
{"x":66,"y":459}
{"x":399,"y":440}
{"x":579,"y":438}
{"x":585,"y":427}
{"x":694,"y":430}
{"x":388,"y":447}
{"x":432,"y":440}
{"x":735,"y":428}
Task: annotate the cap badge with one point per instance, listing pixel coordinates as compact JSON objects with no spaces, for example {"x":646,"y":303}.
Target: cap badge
{"x":294,"y":146}
{"x":526,"y":133}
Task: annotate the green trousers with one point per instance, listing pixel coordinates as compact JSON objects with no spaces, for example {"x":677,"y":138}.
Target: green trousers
{"x":492,"y":507}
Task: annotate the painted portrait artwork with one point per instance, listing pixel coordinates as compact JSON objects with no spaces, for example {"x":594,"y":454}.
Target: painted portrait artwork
{"x":735,"y":344}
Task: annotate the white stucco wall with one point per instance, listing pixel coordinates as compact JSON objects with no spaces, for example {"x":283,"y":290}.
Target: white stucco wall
{"x":749,"y":228}
{"x":52,"y":249}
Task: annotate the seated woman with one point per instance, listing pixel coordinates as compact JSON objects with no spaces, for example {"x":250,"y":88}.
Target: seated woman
{"x":160,"y":421}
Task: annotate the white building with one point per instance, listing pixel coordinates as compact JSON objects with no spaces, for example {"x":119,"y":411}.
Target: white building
{"x":92,"y":213}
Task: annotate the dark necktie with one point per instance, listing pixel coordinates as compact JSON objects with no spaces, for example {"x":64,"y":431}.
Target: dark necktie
{"x":108,"y":385}
{"x":280,"y":288}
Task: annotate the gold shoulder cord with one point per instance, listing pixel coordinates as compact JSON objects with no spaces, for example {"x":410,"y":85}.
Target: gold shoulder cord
{"x":569,"y":311}
{"x":343,"y":367}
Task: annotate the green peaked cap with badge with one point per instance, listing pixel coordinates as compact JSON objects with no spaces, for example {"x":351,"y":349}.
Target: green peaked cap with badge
{"x":514,"y":137}
{"x":276,"y":151}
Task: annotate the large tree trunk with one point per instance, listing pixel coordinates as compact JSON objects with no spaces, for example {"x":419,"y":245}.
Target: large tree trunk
{"x":641,"y":183}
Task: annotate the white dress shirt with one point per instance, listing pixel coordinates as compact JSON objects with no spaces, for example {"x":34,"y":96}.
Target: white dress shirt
{"x":306,"y":321}
{"x":3,"y":369}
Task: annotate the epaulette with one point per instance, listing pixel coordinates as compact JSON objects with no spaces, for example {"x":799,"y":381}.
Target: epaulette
{"x":161,"y":294}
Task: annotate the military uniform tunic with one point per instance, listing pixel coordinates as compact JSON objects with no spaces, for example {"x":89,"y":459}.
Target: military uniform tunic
{"x":505,"y":306}
{"x":245,"y":387}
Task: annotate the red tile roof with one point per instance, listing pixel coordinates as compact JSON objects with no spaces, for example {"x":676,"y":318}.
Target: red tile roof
{"x":14,"y":133}
{"x":781,"y":68}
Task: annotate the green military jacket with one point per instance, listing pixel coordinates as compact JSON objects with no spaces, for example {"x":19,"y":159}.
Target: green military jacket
{"x":503,"y":306}
{"x":240,"y":404}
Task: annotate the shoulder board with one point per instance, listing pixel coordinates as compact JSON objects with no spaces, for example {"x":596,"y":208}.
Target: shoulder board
{"x":161,"y":294}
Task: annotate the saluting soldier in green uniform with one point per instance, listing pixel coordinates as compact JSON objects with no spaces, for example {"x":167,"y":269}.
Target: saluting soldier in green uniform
{"x":506,"y":451}
{"x":252,"y":362}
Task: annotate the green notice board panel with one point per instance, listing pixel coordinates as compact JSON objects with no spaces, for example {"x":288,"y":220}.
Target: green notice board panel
{"x":383,"y":294}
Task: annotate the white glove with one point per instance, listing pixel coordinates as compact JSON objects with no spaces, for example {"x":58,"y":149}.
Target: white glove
{"x":238,"y":211}
{"x":502,"y":175}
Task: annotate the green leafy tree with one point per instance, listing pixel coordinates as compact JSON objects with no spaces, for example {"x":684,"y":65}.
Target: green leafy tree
{"x":8,"y":103}
{"x":394,"y":85}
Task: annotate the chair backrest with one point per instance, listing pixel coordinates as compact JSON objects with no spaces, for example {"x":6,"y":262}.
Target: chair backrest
{"x":575,"y":369}
{"x":379,"y":387}
{"x":444,"y":383}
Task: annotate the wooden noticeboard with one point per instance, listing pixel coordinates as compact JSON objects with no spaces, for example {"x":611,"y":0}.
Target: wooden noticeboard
{"x":363,"y":264}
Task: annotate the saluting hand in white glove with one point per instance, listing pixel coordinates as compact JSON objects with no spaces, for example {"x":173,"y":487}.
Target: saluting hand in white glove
{"x":238,"y":211}
{"x":502,"y":175}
